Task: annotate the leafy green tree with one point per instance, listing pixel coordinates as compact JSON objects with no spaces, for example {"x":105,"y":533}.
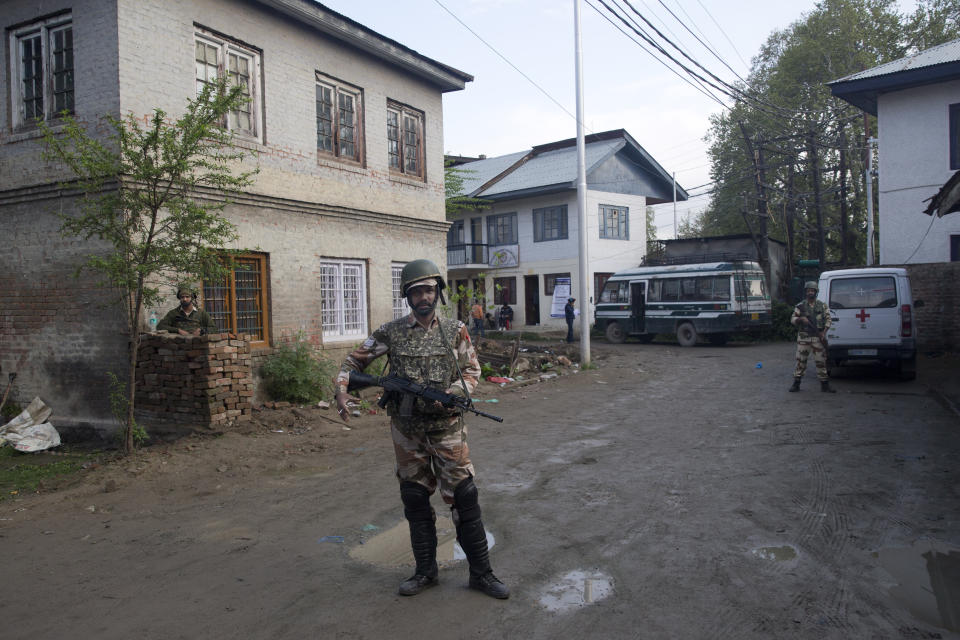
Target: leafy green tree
{"x":454,"y":178}
{"x":651,"y":225}
{"x":808,"y":145}
{"x":140,"y":196}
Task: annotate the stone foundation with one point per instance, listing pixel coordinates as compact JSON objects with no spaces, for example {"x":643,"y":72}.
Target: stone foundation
{"x":193,"y":381}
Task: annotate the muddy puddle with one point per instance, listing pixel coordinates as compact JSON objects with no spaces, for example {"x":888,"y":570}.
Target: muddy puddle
{"x":576,"y":589}
{"x":391,"y":547}
{"x":927,"y":577}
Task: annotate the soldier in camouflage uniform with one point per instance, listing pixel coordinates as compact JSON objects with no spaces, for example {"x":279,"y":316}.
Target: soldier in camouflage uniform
{"x":187,"y":319}
{"x":812,"y":319}
{"x":430,"y":445}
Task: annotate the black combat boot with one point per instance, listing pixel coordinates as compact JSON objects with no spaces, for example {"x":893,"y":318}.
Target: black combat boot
{"x":826,"y":388}
{"x":473,"y":540}
{"x":796,"y":385}
{"x":423,"y":538}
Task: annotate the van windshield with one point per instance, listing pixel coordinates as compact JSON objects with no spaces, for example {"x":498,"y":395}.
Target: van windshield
{"x":876,"y":292}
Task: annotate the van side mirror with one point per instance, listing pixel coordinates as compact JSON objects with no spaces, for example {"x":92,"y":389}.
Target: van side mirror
{"x":917,"y":304}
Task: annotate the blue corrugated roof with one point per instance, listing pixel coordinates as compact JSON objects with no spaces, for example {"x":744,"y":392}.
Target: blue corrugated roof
{"x":552,"y":167}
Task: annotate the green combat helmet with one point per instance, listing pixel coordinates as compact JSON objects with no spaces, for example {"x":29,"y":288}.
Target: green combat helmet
{"x":811,"y":285}
{"x":421,"y":270}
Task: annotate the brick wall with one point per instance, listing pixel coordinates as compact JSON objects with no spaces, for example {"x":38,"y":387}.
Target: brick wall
{"x":938,"y":320}
{"x":190,"y":381}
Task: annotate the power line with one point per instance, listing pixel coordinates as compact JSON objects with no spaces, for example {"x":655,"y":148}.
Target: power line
{"x":504,"y":58}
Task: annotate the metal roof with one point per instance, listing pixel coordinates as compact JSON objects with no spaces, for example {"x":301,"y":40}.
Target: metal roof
{"x":946,"y":52}
{"x":552,"y":167}
{"x":936,"y":64}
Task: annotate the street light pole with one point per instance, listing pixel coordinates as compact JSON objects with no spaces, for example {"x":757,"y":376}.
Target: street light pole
{"x":582,"y":198}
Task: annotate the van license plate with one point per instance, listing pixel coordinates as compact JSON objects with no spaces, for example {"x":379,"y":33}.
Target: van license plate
{"x":754,"y":316}
{"x":862,"y":352}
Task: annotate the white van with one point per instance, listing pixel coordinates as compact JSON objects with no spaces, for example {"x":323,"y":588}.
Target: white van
{"x":871,"y":312}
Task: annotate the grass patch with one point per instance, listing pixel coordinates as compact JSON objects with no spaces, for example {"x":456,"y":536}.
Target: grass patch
{"x":27,"y":472}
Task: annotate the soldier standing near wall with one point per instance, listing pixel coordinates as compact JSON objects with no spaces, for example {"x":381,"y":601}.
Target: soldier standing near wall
{"x":187,"y":319}
{"x":812,"y":319}
{"x":430,"y":445}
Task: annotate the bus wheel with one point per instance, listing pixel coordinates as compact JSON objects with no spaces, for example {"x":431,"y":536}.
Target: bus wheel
{"x":615,"y":333}
{"x":686,"y":335}
{"x":718,"y":338}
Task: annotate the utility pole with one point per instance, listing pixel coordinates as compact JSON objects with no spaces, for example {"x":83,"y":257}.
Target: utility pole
{"x":788,"y":214}
{"x":868,"y":177}
{"x":676,"y":230}
{"x":815,"y":176}
{"x":582,"y":197}
{"x":843,"y":197}
{"x":756,"y":157}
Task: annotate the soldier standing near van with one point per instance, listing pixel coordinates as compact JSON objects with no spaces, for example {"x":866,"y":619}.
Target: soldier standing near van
{"x":812,"y":319}
{"x":430,"y":445}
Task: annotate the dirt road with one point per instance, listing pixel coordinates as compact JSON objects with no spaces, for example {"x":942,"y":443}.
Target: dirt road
{"x":671,"y":493}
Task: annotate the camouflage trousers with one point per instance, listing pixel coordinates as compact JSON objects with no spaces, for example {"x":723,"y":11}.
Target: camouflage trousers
{"x":805,"y":346}
{"x":430,"y":458}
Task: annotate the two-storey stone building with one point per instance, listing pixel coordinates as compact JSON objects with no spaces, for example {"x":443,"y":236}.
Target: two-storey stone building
{"x":347,"y":127}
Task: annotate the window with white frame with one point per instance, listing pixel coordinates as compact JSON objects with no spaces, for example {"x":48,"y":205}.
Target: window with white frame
{"x":550,"y":223}
{"x":343,"y":299}
{"x":405,"y":140}
{"x":216,"y":56}
{"x":42,"y":60}
{"x":400,"y":306}
{"x":339,"y":118}
{"x":614,"y":222}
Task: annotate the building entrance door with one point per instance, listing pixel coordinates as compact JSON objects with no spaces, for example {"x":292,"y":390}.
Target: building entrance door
{"x":531,"y":297}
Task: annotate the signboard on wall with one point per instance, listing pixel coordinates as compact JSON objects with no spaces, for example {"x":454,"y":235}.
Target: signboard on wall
{"x":561,"y":291}
{"x":504,"y":256}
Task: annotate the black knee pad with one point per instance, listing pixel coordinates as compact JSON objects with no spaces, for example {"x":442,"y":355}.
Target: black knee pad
{"x":466,"y":500}
{"x":416,"y":501}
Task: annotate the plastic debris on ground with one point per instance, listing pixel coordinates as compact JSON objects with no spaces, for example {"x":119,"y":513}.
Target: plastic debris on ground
{"x":498,"y":379}
{"x":759,"y":365}
{"x":30,"y":430}
{"x":370,"y":527}
{"x":333,"y":539}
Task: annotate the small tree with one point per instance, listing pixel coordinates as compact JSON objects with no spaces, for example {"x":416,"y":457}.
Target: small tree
{"x":140,"y":195}
{"x":456,"y":201}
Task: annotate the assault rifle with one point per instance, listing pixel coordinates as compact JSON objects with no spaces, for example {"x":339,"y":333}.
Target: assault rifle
{"x":408,"y":391}
{"x":812,"y":320}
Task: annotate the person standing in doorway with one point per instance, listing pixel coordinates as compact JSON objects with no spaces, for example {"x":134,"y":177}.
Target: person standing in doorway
{"x":570,"y":314}
{"x":476,"y":313}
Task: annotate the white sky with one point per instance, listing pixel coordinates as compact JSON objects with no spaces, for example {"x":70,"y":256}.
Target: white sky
{"x":502,"y":112}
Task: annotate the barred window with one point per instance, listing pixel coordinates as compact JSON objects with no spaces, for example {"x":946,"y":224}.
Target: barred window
{"x":400,"y":306}
{"x":43,"y":67}
{"x":238,"y":302}
{"x":343,"y":299}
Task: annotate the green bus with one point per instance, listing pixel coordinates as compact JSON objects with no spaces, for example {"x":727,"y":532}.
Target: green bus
{"x":713,"y":299}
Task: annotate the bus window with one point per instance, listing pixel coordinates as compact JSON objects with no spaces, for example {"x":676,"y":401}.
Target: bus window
{"x":653,"y":291}
{"x":670,"y":290}
{"x":705,"y":288}
{"x":721,"y":288}
{"x":616,"y":292}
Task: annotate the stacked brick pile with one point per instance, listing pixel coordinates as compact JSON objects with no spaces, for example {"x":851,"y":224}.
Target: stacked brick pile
{"x":194,"y":380}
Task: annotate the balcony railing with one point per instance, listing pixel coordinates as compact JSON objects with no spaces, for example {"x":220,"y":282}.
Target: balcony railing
{"x":461,"y":254}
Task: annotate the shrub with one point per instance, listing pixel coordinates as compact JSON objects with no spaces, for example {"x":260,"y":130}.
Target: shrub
{"x":296,"y":373}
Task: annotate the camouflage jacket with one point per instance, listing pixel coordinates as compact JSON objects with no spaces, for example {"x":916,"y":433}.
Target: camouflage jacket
{"x":420,"y":355}
{"x":818,"y":313}
{"x":196,"y":319}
